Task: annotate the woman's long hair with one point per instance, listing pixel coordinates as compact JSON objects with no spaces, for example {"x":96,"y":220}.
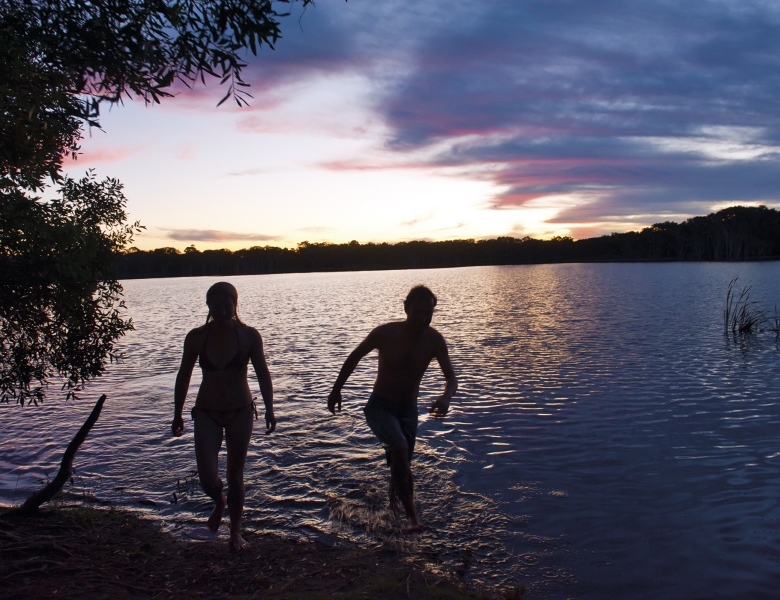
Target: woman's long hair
{"x":226,"y":289}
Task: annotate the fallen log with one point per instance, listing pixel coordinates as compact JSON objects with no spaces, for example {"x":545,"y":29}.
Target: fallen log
{"x":66,"y":466}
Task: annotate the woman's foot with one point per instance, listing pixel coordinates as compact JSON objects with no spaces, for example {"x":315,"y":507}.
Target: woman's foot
{"x":216,"y":515}
{"x":237,"y":543}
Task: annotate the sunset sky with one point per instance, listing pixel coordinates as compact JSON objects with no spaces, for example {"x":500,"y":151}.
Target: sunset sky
{"x":383,"y":120}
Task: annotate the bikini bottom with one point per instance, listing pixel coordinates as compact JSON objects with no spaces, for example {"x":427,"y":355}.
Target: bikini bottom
{"x":223,"y":418}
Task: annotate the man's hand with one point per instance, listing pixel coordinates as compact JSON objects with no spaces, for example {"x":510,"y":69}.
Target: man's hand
{"x":440,"y":406}
{"x":270,"y":420}
{"x":177,"y":426}
{"x":334,"y":400}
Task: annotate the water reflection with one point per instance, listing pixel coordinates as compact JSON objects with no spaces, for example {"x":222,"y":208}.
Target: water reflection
{"x":606,"y":441}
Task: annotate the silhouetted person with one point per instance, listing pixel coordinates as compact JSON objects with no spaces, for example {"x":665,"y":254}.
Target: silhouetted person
{"x":406,"y":348}
{"x":223,"y":347}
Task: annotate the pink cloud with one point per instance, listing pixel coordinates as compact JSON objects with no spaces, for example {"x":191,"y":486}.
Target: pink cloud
{"x":361,"y":165}
{"x":590,"y":231}
{"x":258,"y":124}
{"x":215,"y":235}
{"x":102,"y":156}
{"x":513,"y":200}
{"x":187,"y":152}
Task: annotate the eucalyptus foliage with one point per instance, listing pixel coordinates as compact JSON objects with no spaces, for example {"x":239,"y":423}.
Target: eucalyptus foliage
{"x":113,"y":47}
{"x":59,"y":302}
{"x":40,"y":116}
{"x":60,"y":59}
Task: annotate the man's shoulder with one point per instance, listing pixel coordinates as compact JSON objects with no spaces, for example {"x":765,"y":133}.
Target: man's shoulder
{"x":434,"y":335}
{"x":386,"y":333}
{"x":391,"y":327}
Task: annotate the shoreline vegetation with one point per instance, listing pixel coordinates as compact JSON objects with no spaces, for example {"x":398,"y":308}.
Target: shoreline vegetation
{"x":87,"y":552}
{"x":732,"y":234}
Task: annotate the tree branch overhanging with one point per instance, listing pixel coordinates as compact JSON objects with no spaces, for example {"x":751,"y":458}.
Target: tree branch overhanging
{"x":32,"y":504}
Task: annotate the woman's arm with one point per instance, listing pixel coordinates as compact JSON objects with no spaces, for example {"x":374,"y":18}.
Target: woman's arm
{"x":264,"y":379}
{"x":189,"y":356}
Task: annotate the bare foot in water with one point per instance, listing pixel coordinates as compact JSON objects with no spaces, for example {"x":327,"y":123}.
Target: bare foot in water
{"x":414,"y":526}
{"x":216,"y":515}
{"x":237,"y":543}
{"x":394,"y":502}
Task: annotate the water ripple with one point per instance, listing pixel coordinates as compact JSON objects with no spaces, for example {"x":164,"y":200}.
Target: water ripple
{"x":607,"y":440}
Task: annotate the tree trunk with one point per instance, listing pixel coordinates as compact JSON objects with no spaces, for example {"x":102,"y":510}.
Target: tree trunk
{"x":66,"y":467}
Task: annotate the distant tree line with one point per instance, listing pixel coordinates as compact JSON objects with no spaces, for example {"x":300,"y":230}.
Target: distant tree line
{"x":732,"y":234}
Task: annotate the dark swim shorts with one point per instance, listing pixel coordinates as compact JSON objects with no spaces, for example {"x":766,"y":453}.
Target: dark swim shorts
{"x":391,"y":423}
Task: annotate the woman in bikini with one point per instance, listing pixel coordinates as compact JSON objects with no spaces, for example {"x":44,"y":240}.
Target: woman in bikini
{"x":223,"y":347}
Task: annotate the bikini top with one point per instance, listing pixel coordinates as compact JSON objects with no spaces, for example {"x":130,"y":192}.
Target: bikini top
{"x":237,"y":363}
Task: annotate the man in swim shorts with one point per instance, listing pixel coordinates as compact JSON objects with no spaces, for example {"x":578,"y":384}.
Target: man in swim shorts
{"x":406,"y":348}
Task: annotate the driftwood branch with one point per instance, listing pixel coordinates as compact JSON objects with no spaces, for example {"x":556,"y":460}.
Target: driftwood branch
{"x":66,"y":467}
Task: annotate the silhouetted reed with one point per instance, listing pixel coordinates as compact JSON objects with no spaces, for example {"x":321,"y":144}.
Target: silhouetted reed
{"x":774,"y":322}
{"x":743,"y":315}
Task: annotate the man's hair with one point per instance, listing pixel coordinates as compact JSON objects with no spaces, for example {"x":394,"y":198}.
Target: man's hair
{"x":419,"y":292}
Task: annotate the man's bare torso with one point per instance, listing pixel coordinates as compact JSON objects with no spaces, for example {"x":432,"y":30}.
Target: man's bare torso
{"x":404,"y":357}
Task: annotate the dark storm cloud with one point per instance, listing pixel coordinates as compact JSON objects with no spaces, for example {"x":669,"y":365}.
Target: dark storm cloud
{"x":628,"y":68}
{"x":560,"y":97}
{"x":576,"y":91}
{"x":330,"y":37}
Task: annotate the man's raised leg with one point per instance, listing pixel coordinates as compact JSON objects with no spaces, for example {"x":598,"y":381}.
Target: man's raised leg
{"x":401,"y":474}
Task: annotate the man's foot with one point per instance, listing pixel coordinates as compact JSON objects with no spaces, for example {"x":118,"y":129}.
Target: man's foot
{"x":414,"y":526}
{"x":216,"y":515}
{"x":393,"y":497}
{"x":237,"y":543}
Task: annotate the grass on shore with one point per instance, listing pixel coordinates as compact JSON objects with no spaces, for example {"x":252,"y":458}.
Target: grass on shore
{"x":97,"y":553}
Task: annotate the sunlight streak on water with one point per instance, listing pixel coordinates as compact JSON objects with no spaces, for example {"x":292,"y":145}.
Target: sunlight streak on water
{"x":607,"y":441}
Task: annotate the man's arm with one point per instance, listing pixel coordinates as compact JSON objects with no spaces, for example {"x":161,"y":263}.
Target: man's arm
{"x":257,"y":356}
{"x":188,"y":358}
{"x":366,"y":346}
{"x":441,"y":405}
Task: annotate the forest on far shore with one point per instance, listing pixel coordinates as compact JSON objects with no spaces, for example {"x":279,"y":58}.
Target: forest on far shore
{"x":731,"y":234}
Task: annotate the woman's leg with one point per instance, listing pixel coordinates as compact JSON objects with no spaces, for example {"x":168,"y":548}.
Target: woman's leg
{"x":208,"y":441}
{"x":238,"y":432}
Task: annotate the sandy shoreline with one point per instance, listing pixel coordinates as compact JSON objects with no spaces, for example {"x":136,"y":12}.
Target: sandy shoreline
{"x":101,"y":553}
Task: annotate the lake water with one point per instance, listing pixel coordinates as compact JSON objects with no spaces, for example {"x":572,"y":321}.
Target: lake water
{"x":607,"y":441}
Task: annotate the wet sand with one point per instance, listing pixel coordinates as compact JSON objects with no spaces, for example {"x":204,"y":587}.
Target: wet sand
{"x":97,"y":553}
